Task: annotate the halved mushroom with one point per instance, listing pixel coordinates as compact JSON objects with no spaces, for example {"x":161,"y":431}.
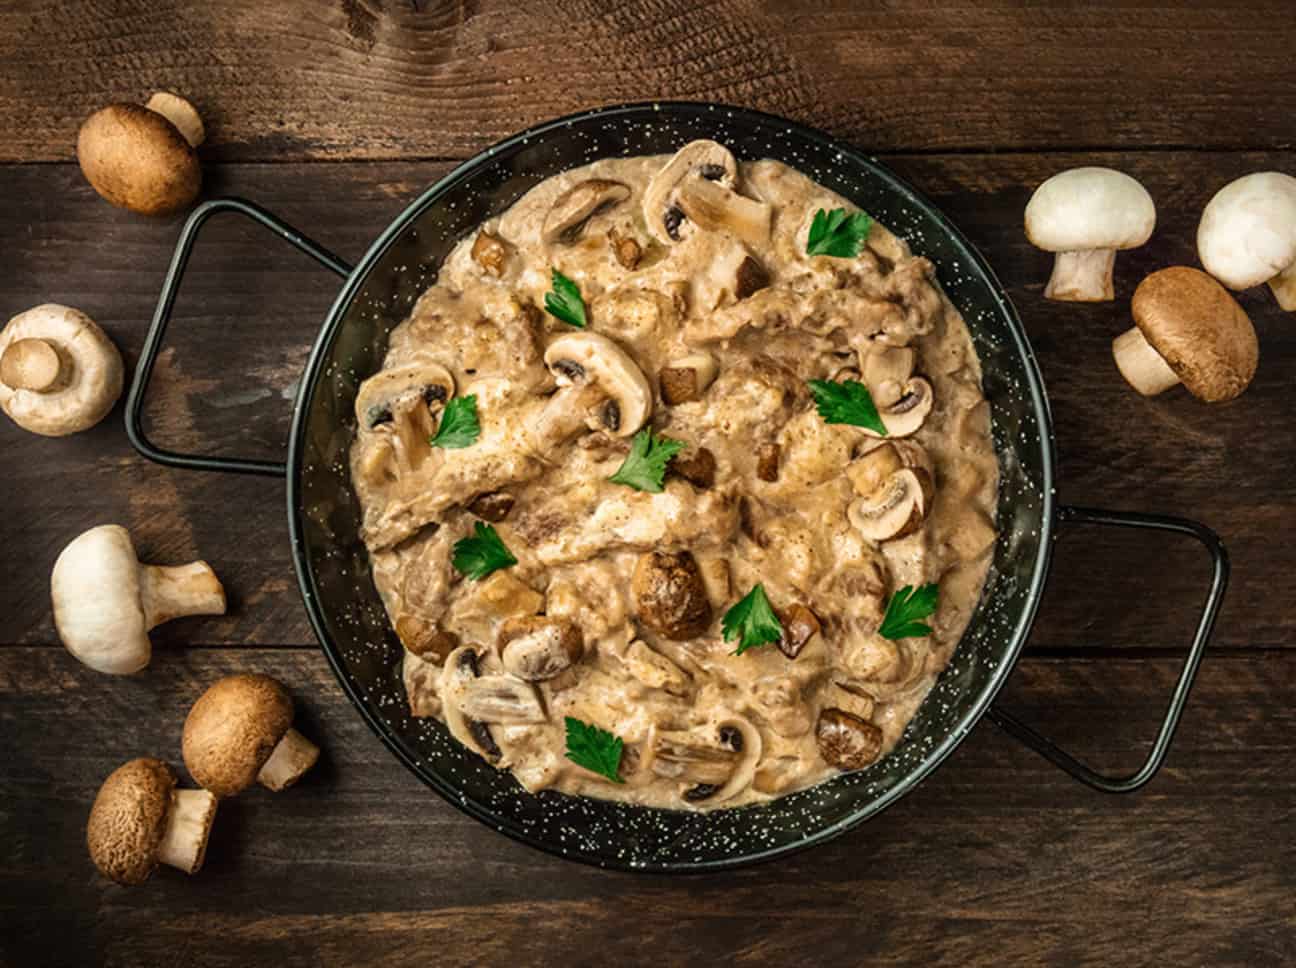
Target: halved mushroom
{"x":894,"y":510}
{"x":576,"y":206}
{"x":670,"y":596}
{"x":538,"y":647}
{"x":846,"y":741}
{"x":697,"y":161}
{"x":886,"y":371}
{"x":425,"y":639}
{"x":713,"y":207}
{"x":461,"y":669}
{"x":653,"y":669}
{"x":599,"y":386}
{"x":687,"y":378}
{"x":907,"y":414}
{"x":714,"y":763}
{"x":501,"y":699}
{"x":406,"y":398}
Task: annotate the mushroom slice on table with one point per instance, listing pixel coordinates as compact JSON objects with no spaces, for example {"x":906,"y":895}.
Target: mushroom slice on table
{"x":1189,"y":330}
{"x":59,"y":372}
{"x":599,"y":387}
{"x":539,"y":647}
{"x":670,"y":595}
{"x":140,"y":819}
{"x":1247,"y":234}
{"x":847,"y":741}
{"x":105,"y":601}
{"x":1085,"y":215}
{"x":714,"y":763}
{"x":141,"y":157}
{"x":573,"y":208}
{"x":239,"y":732}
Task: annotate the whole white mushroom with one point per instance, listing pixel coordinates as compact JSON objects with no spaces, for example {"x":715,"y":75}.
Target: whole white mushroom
{"x":1247,"y":234}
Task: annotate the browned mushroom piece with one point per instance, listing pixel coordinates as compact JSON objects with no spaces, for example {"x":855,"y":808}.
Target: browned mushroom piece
{"x":800,"y":625}
{"x":239,"y":732}
{"x":767,"y":461}
{"x":425,"y":638}
{"x":573,"y":208}
{"x":670,"y":595}
{"x":140,"y":819}
{"x":539,"y":647}
{"x":628,"y":251}
{"x":750,"y":278}
{"x":697,"y":465}
{"x":494,"y":506}
{"x":687,"y":378}
{"x":490,"y":252}
{"x":846,"y":741}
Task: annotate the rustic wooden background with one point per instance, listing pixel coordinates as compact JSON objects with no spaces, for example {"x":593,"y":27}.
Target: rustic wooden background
{"x":334,"y":115}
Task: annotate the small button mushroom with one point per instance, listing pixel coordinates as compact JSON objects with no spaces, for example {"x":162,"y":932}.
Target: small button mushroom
{"x":886,"y":371}
{"x":654,"y":670}
{"x":906,"y":415}
{"x":697,"y":465}
{"x":425,"y":639}
{"x":105,"y":601}
{"x":1189,"y":330}
{"x":59,"y":372}
{"x":239,"y":732}
{"x":800,"y":625}
{"x":599,"y":386}
{"x":894,"y":510}
{"x":696,"y":161}
{"x":539,"y":647}
{"x":490,"y":252}
{"x":670,"y":595}
{"x":139,"y":818}
{"x":767,"y":461}
{"x":846,"y":741}
{"x":493,"y":506}
{"x":142,"y":158}
{"x":1247,"y":235}
{"x":687,"y":378}
{"x":573,"y":208}
{"x":1085,"y":215}
{"x":628,"y":251}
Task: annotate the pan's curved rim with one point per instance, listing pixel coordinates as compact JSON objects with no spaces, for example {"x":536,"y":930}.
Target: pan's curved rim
{"x":1036,"y":394}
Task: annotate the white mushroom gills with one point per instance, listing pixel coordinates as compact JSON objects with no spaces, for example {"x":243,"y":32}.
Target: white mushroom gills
{"x":893,"y":511}
{"x":585,"y":360}
{"x":188,"y":824}
{"x":1247,"y":235}
{"x":292,"y":756}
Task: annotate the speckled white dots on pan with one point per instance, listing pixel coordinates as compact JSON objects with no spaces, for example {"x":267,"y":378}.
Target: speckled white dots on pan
{"x":353,"y":626}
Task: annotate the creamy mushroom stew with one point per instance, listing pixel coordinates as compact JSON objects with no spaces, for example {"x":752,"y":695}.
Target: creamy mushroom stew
{"x":536,"y":595}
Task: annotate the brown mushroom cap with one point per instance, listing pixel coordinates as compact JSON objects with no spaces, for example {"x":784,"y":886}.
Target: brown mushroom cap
{"x":128,"y":820}
{"x":138,"y":160}
{"x":232,"y":729}
{"x":1199,"y":330}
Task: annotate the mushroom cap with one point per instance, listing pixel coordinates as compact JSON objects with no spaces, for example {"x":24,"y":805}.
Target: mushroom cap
{"x":1089,"y":208}
{"x":95,"y":589}
{"x":1199,"y":330}
{"x":1247,"y":233}
{"x":91,"y":372}
{"x":598,"y":360}
{"x":700,"y":159}
{"x":232,"y":729}
{"x":378,"y":395}
{"x":138,"y":160}
{"x":128,"y":820}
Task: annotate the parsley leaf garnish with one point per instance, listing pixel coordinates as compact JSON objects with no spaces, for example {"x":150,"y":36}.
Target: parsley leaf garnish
{"x":837,"y":234}
{"x":906,"y":608}
{"x":754,"y":620}
{"x":644,"y":468}
{"x":848,"y":402}
{"x":479,"y":555}
{"x":564,"y":301}
{"x":459,"y":427}
{"x":595,"y":749}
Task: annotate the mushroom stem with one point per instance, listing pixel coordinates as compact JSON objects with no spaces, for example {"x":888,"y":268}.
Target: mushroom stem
{"x":174,"y":591}
{"x":1083,"y":276}
{"x":184,"y":843}
{"x":1284,"y":288}
{"x":292,"y":757}
{"x":30,"y":364}
{"x":180,"y":113}
{"x":1141,"y":365}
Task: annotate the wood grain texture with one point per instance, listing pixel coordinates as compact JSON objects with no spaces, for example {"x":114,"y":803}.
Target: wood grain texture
{"x":298,"y":79}
{"x":997,"y":859}
{"x":250,"y":308}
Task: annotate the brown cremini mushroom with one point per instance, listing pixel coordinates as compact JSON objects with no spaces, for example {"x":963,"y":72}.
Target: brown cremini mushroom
{"x":670,"y":595}
{"x":140,"y":819}
{"x":1189,"y":330}
{"x":239,"y":732}
{"x":106,"y":601}
{"x":846,"y":741}
{"x":539,"y":647}
{"x":800,"y":625}
{"x":142,"y":158}
{"x":59,"y":372}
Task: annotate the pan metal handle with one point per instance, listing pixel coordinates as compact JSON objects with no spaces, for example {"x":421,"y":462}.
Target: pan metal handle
{"x":1219,"y":581}
{"x":162,"y":316}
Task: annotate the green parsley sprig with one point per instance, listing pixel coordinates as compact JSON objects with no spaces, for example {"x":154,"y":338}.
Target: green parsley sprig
{"x":752,"y":621}
{"x":847,"y":402}
{"x":837,"y":234}
{"x":481,"y":553}
{"x":563,"y":301}
{"x":459,"y":427}
{"x":595,"y":749}
{"x":905,"y":611}
{"x":644,"y":468}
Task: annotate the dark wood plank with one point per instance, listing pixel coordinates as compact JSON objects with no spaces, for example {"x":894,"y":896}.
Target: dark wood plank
{"x":997,"y":859}
{"x":400,"y":79}
{"x":250,"y":308}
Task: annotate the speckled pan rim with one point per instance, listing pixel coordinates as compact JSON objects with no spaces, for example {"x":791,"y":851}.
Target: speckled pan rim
{"x":646,"y":111}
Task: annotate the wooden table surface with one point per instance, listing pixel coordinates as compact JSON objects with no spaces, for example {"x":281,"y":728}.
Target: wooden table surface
{"x":335,"y":115}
